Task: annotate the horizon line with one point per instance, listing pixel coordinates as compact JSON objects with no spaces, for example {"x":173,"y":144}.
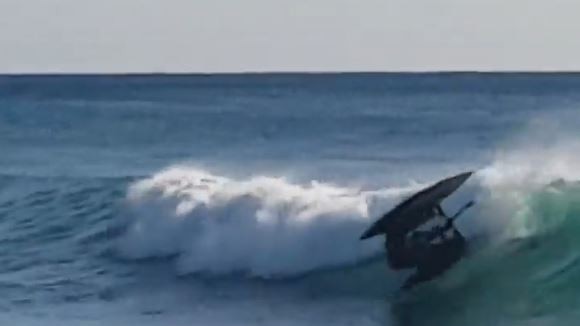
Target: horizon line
{"x":282,"y":72}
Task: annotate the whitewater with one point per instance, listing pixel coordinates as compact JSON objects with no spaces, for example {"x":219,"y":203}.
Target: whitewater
{"x":240,"y":199}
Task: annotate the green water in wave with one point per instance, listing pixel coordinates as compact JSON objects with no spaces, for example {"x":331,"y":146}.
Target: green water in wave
{"x":531,"y":280}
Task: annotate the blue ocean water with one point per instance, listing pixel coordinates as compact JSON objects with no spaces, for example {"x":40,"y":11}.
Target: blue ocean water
{"x":239,"y":199}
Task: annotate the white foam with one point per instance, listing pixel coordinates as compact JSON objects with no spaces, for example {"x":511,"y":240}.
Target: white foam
{"x":264,"y":226}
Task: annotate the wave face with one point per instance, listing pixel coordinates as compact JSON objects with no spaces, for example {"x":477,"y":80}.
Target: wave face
{"x":527,"y":275}
{"x":528,"y":278}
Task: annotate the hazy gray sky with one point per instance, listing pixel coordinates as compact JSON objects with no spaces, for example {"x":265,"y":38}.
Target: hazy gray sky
{"x":297,"y":35}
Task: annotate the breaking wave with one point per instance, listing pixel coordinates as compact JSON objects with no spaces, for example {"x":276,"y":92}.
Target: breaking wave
{"x":523,"y":269}
{"x":262,"y":226}
{"x":270,"y":227}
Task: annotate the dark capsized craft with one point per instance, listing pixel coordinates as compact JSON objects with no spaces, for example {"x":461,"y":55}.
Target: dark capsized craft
{"x":416,"y":209}
{"x":433,"y":251}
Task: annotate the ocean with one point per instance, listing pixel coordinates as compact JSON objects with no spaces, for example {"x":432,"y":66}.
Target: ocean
{"x":240,"y":199}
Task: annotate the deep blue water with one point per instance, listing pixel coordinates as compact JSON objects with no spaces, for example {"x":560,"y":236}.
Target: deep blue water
{"x":175,"y":200}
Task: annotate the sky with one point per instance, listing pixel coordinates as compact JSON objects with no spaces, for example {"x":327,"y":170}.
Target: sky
{"x":59,"y":36}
